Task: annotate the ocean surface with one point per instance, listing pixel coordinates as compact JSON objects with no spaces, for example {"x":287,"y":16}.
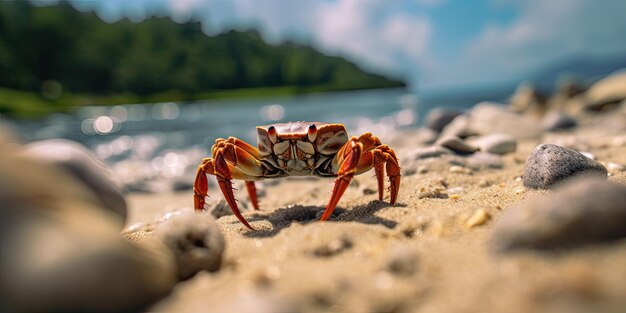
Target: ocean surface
{"x":144,"y":141}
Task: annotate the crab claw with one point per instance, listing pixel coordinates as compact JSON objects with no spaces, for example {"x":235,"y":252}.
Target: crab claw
{"x":224,"y":181}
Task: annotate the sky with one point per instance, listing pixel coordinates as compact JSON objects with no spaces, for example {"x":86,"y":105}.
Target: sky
{"x":431,"y":43}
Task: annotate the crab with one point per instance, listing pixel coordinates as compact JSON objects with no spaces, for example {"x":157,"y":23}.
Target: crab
{"x":296,"y":149}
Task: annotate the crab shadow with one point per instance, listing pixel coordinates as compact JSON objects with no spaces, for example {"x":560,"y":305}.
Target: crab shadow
{"x":284,"y":217}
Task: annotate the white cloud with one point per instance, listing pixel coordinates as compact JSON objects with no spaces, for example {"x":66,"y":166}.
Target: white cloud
{"x":393,"y":40}
{"x":544,"y":32}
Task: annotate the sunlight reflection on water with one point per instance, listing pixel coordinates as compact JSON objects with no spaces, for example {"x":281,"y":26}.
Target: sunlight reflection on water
{"x":168,"y":140}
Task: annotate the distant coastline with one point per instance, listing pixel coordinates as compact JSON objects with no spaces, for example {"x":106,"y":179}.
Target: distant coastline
{"x":55,"y":58}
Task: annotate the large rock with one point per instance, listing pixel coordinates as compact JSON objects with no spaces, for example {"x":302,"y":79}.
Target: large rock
{"x":550,"y":164}
{"x":582,"y":211}
{"x":62,"y":250}
{"x":79,"y":162}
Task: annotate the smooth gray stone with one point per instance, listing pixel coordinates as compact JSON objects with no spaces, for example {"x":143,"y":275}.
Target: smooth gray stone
{"x":429,"y":152}
{"x":480,"y":160}
{"x":62,"y":252}
{"x":489,"y":117}
{"x":581,"y":211}
{"x":424,"y":135}
{"x":79,"y":161}
{"x":498,"y":143}
{"x":550,"y":164}
{"x":456,"y":144}
{"x":557,"y":121}
{"x":438,"y":118}
{"x":459,"y":127}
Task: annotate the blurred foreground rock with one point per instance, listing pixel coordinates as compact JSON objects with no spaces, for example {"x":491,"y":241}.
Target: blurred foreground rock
{"x":579,"y":212}
{"x":60,"y":242}
{"x":84,"y":166}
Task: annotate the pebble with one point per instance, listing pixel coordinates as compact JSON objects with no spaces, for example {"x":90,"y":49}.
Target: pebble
{"x":459,"y":127}
{"x":555,"y":120}
{"x":80,"y":162}
{"x":436,"y":192}
{"x":480,"y":160}
{"x":498,"y":143}
{"x":490,"y":117}
{"x":581,"y":211}
{"x":526,"y":99}
{"x":219,"y":208}
{"x":484,"y":183}
{"x":195,"y":239}
{"x":615,"y":167}
{"x":438,"y":118}
{"x":551,"y":164}
{"x":455,"y":190}
{"x":456,"y":144}
{"x":402,"y":261}
{"x":429,"y":152}
{"x":460,"y":170}
{"x":422,"y":169}
{"x":368,"y":191}
{"x":479,"y":217}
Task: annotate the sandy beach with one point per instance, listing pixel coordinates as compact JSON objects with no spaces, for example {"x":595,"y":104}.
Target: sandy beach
{"x":431,"y":252}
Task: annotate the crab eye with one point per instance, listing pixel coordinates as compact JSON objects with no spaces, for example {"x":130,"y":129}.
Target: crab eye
{"x":271,"y":131}
{"x":312,"y":132}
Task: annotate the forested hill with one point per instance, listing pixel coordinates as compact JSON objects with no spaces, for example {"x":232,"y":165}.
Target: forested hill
{"x":88,"y":56}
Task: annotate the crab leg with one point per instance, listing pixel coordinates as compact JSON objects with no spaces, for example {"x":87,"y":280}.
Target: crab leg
{"x":374,"y":158}
{"x":201,"y":185}
{"x":351,"y":153}
{"x":245,"y":146}
{"x":232,"y":159}
{"x":392,"y":167}
{"x":252,"y":194}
